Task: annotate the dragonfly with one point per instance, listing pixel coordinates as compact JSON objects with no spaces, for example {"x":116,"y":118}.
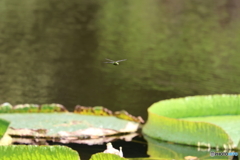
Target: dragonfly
{"x":115,"y":62}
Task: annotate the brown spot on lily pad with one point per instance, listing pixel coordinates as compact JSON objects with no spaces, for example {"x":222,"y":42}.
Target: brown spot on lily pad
{"x":101,"y":111}
{"x":47,"y":108}
{"x":125,"y":115}
{"x":98,"y":110}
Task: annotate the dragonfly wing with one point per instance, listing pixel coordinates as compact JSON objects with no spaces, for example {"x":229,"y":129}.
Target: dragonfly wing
{"x":121,"y":60}
{"x":108,"y":62}
{"x":109,"y":59}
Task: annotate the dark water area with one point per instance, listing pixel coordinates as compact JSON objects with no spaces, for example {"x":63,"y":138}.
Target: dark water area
{"x":54,"y":52}
{"x":136,"y":148}
{"x":141,"y":147}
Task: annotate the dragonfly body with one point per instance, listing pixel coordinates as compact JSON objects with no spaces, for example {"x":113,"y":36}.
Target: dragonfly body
{"x":115,"y":62}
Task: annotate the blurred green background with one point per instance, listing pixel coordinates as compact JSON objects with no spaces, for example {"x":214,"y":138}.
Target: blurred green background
{"x":53,"y":51}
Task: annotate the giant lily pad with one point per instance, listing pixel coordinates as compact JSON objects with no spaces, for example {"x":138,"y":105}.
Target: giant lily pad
{"x":66,"y":125}
{"x":48,"y":121}
{"x":168,"y":121}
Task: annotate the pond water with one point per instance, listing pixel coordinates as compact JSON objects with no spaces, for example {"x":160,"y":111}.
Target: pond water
{"x":54,"y":51}
{"x":136,"y":148}
{"x":142,"y":147}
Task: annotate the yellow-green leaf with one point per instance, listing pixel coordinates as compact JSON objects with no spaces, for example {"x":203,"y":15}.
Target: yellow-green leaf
{"x":165,"y":121}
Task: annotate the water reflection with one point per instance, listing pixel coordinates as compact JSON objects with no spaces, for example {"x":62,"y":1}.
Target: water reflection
{"x":177,"y":151}
{"x":53,"y":51}
{"x":140,"y":147}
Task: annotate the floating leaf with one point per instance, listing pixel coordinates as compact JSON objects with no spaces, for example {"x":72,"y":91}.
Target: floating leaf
{"x":228,"y":123}
{"x":50,"y":108}
{"x":66,"y":125}
{"x":164,"y":123}
{"x":23,"y":152}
